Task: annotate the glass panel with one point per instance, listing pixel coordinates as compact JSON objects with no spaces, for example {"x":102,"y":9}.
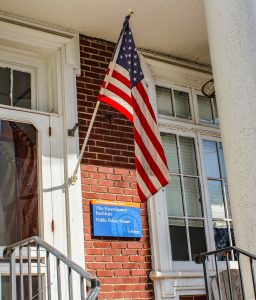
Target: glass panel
{"x":21,"y":89}
{"x":221,"y":235}
{"x":170,"y":149}
{"x":223,"y":168}
{"x":174,"y":197}
{"x":225,"y":185}
{"x":5,"y":287}
{"x":216,"y":199}
{"x":5,"y":86}
{"x":164,"y":101}
{"x":18,"y":182}
{"x":182,"y":105}
{"x":178,"y":240}
{"x":216,"y":119}
{"x":188,"y":156}
{"x":192,"y":196}
{"x":211,"y":159}
{"x":197,"y":237}
{"x":232,"y":234}
{"x":205,"y":109}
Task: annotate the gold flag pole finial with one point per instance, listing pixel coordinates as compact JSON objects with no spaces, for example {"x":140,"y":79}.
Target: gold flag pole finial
{"x":130,"y":12}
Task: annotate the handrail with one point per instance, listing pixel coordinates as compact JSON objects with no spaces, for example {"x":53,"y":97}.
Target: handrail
{"x":9,"y":253}
{"x":202,"y":256}
{"x":202,"y":259}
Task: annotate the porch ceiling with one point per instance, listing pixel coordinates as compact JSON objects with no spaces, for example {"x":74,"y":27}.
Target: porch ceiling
{"x":173,"y":27}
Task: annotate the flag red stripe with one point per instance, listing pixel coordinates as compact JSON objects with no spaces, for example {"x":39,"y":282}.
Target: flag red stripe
{"x":149,"y":158}
{"x":121,"y":78}
{"x":117,"y":106}
{"x":144,"y":96}
{"x":145,"y":177}
{"x":114,"y":89}
{"x":143,"y":198}
{"x":155,"y":141}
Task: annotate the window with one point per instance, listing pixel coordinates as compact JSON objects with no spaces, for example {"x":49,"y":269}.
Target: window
{"x":207,"y":109}
{"x":173,"y":103}
{"x":218,"y":194}
{"x":18,"y":182}
{"x":17,"y":87}
{"x":197,"y":198}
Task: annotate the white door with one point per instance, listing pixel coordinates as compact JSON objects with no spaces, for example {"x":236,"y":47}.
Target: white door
{"x":32,"y":190}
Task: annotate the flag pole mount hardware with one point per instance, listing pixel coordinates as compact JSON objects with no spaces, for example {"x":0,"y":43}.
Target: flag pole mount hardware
{"x":73,"y":179}
{"x":71,"y":132}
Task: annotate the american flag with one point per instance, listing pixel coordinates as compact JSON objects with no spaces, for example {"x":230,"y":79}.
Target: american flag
{"x":125,"y":89}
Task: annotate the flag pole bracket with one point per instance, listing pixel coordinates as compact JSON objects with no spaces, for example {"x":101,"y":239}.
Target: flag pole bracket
{"x":71,"y":132}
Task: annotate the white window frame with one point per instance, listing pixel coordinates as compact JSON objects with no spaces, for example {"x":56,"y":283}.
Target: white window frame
{"x":172,"y":279}
{"x":27,"y":69}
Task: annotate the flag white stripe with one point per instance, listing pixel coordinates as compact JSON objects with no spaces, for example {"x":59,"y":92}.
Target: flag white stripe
{"x":152,"y":150}
{"x":142,"y":185}
{"x":118,"y":100}
{"x":121,"y":86}
{"x":151,"y":175}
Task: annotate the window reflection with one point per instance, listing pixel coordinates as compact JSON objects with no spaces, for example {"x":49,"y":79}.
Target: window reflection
{"x":18,"y":182}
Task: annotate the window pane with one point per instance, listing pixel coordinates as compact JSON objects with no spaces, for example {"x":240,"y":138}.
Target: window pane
{"x":21,"y":89}
{"x":170,"y":148}
{"x":223,"y":168}
{"x":178,"y":240}
{"x":5,"y":86}
{"x":216,"y":199}
{"x":18,"y":182}
{"x":174,"y":197}
{"x":216,"y":119}
{"x":225,"y":185}
{"x":5,"y":287}
{"x":182,"y":105}
{"x":197,"y":237}
{"x":188,"y":156}
{"x":205,"y":109}
{"x":192,"y":196}
{"x":221,"y":235}
{"x":211,"y":159}
{"x":164,"y":101}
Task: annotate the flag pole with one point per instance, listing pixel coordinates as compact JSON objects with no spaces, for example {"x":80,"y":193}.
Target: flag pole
{"x":73,"y":178}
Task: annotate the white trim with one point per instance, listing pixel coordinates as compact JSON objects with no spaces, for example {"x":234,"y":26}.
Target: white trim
{"x":174,"y":278}
{"x":32,"y":44}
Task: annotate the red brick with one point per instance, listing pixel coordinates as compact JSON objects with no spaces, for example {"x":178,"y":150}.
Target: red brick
{"x":104,"y":273}
{"x":139,"y":272}
{"x":132,"y":295}
{"x":112,"y":266}
{"x":103,"y":258}
{"x":119,"y":245}
{"x":132,"y":245}
{"x":106,"y":170}
{"x":120,"y":258}
{"x":131,"y":280}
{"x":122,"y":287}
{"x":121,"y":171}
{"x":137,"y":258}
{"x":102,"y":244}
{"x":122,"y":273}
{"x":115,"y":295}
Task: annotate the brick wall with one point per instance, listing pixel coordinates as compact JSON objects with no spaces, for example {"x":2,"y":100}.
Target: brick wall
{"x":122,"y":265}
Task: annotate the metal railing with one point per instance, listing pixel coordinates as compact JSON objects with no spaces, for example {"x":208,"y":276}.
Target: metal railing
{"x":38,"y":270}
{"x":234,"y":277}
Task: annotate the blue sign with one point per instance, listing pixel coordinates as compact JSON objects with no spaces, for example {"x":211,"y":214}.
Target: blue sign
{"x":118,"y":219}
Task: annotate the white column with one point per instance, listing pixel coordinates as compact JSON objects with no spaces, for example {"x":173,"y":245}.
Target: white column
{"x":231,"y":28}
